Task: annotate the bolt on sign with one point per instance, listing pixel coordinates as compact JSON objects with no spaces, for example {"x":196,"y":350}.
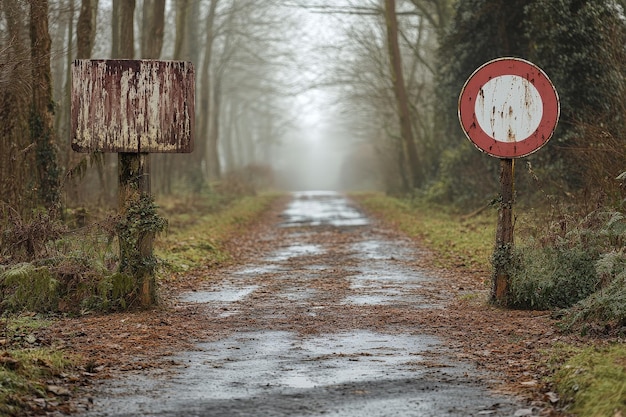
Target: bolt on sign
{"x":132,"y":106}
{"x":508,"y":108}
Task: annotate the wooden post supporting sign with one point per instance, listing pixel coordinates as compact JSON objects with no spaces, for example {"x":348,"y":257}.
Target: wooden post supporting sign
{"x":508,"y":108}
{"x":133,"y":108}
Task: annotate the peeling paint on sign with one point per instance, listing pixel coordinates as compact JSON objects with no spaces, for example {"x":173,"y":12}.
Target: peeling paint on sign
{"x":132,"y":106}
{"x":508,"y":108}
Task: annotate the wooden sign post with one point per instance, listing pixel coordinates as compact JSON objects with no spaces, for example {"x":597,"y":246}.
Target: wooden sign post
{"x":133,"y":108}
{"x":508,"y":108}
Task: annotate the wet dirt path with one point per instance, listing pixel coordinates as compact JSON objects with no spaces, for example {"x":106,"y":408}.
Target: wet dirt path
{"x":322,"y":325}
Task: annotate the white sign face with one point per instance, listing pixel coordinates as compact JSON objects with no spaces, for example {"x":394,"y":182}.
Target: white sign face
{"x":509,"y":108}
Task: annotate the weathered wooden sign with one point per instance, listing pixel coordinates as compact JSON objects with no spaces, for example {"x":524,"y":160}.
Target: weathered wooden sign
{"x":132,"y":106}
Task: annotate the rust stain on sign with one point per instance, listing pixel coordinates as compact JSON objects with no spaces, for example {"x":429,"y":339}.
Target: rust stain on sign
{"x":132,"y":106}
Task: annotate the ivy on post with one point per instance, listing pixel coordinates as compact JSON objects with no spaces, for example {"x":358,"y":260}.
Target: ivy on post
{"x":504,"y":233}
{"x":134,"y":108}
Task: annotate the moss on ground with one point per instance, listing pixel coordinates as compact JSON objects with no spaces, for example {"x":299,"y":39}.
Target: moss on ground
{"x":593,"y":381}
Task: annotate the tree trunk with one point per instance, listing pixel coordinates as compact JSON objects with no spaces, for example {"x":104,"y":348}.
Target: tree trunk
{"x":205,"y":93}
{"x":42,"y":114}
{"x":213,"y":159}
{"x":16,"y":158}
{"x":153,"y":29}
{"x":399,"y":88}
{"x":127,"y":29}
{"x":180,"y":40}
{"x":86,"y":28}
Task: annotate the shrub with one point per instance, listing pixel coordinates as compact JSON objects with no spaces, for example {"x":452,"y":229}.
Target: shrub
{"x":605,"y":310}
{"x":551,"y":277}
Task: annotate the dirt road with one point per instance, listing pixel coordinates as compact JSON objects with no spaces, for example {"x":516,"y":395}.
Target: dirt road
{"x":325,"y":323}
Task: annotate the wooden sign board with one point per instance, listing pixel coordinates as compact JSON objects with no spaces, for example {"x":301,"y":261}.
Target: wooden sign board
{"x":132,"y":106}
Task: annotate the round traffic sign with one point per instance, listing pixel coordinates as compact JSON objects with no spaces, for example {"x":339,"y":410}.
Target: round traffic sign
{"x":508,"y":108}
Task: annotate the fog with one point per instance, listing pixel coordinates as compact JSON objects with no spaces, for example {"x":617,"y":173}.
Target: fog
{"x":312,"y":153}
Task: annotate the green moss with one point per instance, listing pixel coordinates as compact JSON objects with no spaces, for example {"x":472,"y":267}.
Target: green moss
{"x":26,"y":373}
{"x":593,"y":381}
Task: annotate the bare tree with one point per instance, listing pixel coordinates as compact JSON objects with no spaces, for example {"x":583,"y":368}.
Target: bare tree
{"x":86,"y":28}
{"x":16,"y":156}
{"x":153,"y":28}
{"x":42,"y":114}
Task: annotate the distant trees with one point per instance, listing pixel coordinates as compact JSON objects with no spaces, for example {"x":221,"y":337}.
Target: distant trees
{"x":367,"y":76}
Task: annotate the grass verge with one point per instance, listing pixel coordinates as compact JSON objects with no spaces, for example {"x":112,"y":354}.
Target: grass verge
{"x":593,"y":381}
{"x":196,"y":238}
{"x":31,"y":376}
{"x":458,"y":241}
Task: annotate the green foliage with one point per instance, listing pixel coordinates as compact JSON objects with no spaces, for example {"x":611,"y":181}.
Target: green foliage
{"x":593,"y":381}
{"x":569,"y":262}
{"x":605,"y":310}
{"x":580,"y":46}
{"x":111,"y":292}
{"x":27,"y":287}
{"x":478,"y":183}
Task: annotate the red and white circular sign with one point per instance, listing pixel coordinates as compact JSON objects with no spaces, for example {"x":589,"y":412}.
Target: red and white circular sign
{"x":509,"y":108}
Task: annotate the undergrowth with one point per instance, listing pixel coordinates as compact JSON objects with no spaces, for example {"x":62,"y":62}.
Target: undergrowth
{"x":50,"y":264}
{"x":199,"y":241}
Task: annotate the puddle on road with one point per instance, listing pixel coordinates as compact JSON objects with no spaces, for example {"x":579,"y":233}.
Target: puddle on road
{"x":378,"y":283}
{"x":257,"y":270}
{"x":342,"y":374}
{"x":225,"y":295}
{"x":321,"y":208}
{"x":295,"y":251}
{"x":380,"y":250}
